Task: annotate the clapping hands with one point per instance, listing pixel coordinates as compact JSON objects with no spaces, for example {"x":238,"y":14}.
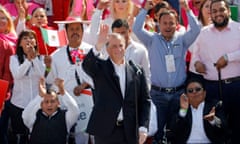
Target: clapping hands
{"x":30,"y":51}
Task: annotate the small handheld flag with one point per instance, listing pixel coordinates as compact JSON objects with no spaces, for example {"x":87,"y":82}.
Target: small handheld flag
{"x":54,"y":38}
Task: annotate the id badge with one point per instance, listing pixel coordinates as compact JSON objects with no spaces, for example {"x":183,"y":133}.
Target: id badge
{"x":170,"y":63}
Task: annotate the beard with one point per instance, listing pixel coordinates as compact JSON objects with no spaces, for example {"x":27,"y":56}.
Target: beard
{"x":222,"y":24}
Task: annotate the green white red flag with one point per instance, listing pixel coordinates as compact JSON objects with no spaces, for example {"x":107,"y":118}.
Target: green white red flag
{"x":54,"y":38}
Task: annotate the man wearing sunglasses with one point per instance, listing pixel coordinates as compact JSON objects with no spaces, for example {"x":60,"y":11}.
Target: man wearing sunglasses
{"x":217,"y":56}
{"x":195,"y":120}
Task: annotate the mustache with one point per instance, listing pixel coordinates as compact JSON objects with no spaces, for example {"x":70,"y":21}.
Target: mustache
{"x":75,"y":34}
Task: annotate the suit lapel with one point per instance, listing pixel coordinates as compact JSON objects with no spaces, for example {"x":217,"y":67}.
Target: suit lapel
{"x":113,"y":78}
{"x":129,"y":78}
{"x":206,"y":108}
{"x":189,"y":115}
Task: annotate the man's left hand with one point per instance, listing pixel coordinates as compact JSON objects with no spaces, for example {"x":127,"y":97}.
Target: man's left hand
{"x":211,"y":115}
{"x":221,"y":63}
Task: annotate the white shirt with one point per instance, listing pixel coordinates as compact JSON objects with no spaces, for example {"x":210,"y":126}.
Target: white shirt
{"x":62,"y":68}
{"x":139,"y":55}
{"x":29,"y":113}
{"x":136,"y":52}
{"x":197,"y":134}
{"x":121,"y":73}
{"x":26,"y":79}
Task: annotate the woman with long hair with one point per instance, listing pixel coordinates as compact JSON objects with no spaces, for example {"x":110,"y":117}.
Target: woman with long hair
{"x":204,"y":20}
{"x":119,"y":9}
{"x":8,"y":40}
{"x":204,"y":13}
{"x":27,"y":67}
{"x":38,"y":20}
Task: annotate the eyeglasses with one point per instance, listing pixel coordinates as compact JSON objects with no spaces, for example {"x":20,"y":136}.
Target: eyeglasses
{"x":192,"y":90}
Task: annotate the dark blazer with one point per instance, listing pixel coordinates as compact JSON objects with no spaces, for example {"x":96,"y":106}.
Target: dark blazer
{"x":179,"y":128}
{"x":108,"y":99}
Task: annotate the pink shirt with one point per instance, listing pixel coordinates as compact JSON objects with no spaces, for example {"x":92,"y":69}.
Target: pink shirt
{"x":211,"y":44}
{"x":12,"y":9}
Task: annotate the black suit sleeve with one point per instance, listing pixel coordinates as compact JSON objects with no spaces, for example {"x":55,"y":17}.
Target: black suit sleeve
{"x":144,"y":100}
{"x":178,"y":128}
{"x":89,"y":64}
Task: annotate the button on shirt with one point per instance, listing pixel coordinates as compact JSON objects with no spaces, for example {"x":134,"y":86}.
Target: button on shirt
{"x":121,"y":73}
{"x":139,"y":55}
{"x":212,"y":44}
{"x":26,"y":79}
{"x":158,"y":48}
{"x":197,"y":134}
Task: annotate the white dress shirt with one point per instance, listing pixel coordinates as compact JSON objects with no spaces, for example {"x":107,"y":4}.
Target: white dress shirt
{"x":121,"y":73}
{"x":136,"y":52}
{"x":139,"y":55}
{"x":26,"y":79}
{"x":62,"y":68}
{"x":197,"y":134}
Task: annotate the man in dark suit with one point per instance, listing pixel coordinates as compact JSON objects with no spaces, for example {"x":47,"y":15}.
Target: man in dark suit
{"x":196,"y":120}
{"x":121,"y":97}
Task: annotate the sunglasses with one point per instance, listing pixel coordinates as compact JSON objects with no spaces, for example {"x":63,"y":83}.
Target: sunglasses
{"x":192,"y":90}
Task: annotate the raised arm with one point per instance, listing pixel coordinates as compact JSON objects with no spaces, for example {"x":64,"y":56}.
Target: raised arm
{"x":89,"y":63}
{"x":138,"y":27}
{"x":72,"y":107}
{"x":194,"y":29}
{"x":95,"y":22}
{"x":29,"y":113}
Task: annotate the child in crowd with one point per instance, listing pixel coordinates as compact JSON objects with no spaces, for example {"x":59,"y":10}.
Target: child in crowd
{"x":46,"y":121}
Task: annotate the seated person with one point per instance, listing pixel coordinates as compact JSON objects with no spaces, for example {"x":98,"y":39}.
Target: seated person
{"x":196,"y":120}
{"x":48,"y":123}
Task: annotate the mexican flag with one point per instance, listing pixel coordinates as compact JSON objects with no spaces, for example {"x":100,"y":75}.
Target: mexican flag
{"x":54,"y":38}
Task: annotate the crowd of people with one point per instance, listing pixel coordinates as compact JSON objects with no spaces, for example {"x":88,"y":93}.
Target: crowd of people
{"x":132,"y":72}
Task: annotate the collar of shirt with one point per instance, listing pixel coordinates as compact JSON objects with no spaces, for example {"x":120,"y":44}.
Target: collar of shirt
{"x":172,"y":39}
{"x":53,"y":114}
{"x":121,"y":72}
{"x":117,"y":65}
{"x":72,"y":49}
{"x":129,"y":50}
{"x":130,"y":45}
{"x":199,"y":108}
{"x":227,"y":28}
{"x":198,"y":134}
{"x":119,"y":69}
